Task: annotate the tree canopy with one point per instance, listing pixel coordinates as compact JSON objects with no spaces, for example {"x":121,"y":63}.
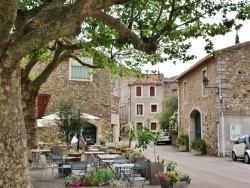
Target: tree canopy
{"x":133,"y":32}
{"x":168,"y":115}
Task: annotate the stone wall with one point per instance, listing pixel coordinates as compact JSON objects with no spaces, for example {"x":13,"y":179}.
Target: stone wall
{"x":92,"y":97}
{"x":196,"y":102}
{"x":230,"y":72}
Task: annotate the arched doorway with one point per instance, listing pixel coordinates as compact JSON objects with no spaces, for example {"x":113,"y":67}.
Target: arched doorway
{"x":89,"y":130}
{"x":195,"y":124}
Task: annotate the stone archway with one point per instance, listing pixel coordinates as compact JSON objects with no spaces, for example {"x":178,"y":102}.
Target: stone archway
{"x":90,"y":130}
{"x":195,"y":125}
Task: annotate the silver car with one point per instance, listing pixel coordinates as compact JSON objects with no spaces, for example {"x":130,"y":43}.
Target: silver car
{"x":164,"y":138}
{"x":241,"y":149}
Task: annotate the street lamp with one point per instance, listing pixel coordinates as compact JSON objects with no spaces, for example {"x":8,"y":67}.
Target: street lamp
{"x":205,"y":82}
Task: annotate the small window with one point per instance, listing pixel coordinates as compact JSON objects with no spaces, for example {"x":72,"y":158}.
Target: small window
{"x":152,"y":91}
{"x":79,"y":72}
{"x":185,"y":92}
{"x":139,"y":109}
{"x":153,"y":126}
{"x":153,"y":108}
{"x":138,"y":91}
{"x":139,"y":125}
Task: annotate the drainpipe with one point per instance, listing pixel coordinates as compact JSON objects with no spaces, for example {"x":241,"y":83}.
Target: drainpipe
{"x":223,"y":134}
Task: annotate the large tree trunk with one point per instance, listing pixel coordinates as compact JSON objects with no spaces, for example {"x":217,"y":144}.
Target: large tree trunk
{"x":30,"y":117}
{"x":13,"y":153}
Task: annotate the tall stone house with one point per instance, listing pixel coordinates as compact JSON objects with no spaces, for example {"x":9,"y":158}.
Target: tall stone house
{"x":140,"y":100}
{"x":214,"y":98}
{"x":90,"y":92}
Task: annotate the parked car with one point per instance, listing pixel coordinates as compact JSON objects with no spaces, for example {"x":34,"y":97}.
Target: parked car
{"x":90,"y":140}
{"x":164,"y":138}
{"x":241,"y":149}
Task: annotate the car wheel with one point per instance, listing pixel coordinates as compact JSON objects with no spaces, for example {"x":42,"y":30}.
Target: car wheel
{"x":246,"y":158}
{"x":234,"y":157}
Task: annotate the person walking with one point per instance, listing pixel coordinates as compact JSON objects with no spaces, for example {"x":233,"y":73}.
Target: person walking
{"x":83,"y":143}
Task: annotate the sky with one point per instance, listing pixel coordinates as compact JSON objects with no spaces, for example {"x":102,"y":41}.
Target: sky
{"x":169,"y":69}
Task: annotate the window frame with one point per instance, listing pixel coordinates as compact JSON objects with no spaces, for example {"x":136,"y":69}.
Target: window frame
{"x":149,"y":91}
{"x":137,"y":96}
{"x":156,"y":125}
{"x":138,"y":122}
{"x":185,"y":92}
{"x":136,"y":111}
{"x":89,"y":61}
{"x":151,"y":108}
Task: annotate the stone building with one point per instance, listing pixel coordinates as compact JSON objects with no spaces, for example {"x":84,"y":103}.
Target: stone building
{"x":218,"y":112}
{"x":141,"y":100}
{"x":90,"y":92}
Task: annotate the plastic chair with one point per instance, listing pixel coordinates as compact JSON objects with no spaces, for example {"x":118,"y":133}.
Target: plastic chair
{"x":139,"y":165}
{"x":79,"y":168}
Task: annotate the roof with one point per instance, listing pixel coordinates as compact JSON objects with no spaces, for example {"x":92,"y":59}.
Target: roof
{"x":148,"y":79}
{"x":209,"y":57}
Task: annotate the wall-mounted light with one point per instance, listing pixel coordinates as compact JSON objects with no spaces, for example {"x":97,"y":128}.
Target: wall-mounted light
{"x":205,"y":82}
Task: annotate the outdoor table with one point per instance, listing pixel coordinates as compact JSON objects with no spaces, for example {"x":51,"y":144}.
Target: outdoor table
{"x":108,"y":162}
{"x":93,"y":149}
{"x":38,"y":152}
{"x":107,"y":156}
{"x":96,"y":146}
{"x":66,"y":159}
{"x":92,"y":153}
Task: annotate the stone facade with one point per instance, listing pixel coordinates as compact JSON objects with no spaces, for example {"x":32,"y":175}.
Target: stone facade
{"x":126,"y":89}
{"x":217,"y":113}
{"x":92,"y":97}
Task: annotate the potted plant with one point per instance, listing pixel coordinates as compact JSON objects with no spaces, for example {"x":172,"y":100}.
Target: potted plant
{"x":98,"y":178}
{"x":144,"y":138}
{"x":182,"y":141}
{"x":70,"y":121}
{"x":198,"y":146}
{"x":172,"y":177}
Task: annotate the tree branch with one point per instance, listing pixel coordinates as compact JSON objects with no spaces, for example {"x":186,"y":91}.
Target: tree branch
{"x":126,"y":34}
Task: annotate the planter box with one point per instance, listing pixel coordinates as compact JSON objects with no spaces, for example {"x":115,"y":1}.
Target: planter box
{"x":154,"y":168}
{"x":78,"y":157}
{"x":183,"y":148}
{"x":180,"y":184}
{"x":164,"y":184}
{"x":196,"y":152}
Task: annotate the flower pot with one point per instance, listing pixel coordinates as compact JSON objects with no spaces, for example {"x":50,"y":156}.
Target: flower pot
{"x":180,"y":184}
{"x":154,"y":168}
{"x":164,"y":183}
{"x":183,"y":148}
{"x":196,"y":152}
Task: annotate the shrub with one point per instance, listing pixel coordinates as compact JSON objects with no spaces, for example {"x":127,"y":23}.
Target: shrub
{"x":199,"y":144}
{"x":182,"y":139}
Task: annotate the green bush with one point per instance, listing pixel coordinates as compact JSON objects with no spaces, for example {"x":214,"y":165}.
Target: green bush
{"x":182,"y":139}
{"x":199,"y":144}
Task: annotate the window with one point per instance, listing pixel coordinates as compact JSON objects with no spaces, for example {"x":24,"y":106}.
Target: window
{"x":152,"y":91}
{"x":153,"y":108}
{"x":138,"y":91}
{"x":204,"y":89}
{"x":139,"y":125}
{"x":79,"y":72}
{"x":139,"y":109}
{"x":153,"y":126}
{"x":185,"y":92}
